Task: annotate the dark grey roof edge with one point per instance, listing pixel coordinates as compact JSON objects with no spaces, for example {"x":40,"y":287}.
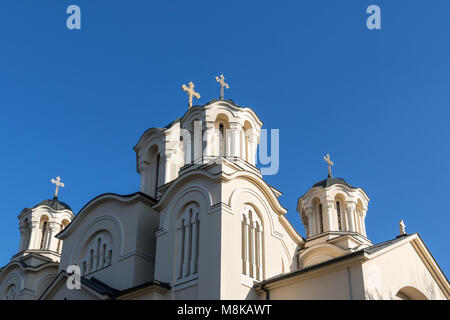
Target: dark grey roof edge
{"x":163,"y":285}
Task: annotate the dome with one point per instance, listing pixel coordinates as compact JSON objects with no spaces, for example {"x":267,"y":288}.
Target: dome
{"x":54,"y":204}
{"x":328,"y":182}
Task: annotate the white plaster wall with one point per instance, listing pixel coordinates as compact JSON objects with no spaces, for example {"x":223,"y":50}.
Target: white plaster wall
{"x":385,"y":275}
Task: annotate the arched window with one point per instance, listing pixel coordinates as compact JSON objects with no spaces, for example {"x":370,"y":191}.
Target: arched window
{"x":320,"y":219}
{"x":64,"y":224}
{"x":222,"y":144}
{"x":10,"y":292}
{"x":252,"y":244}
{"x":97,"y":252}
{"x":188,"y":234}
{"x":44,"y":233}
{"x":339,"y":215}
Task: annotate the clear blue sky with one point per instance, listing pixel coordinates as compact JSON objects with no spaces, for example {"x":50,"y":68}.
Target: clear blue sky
{"x":74,"y":103}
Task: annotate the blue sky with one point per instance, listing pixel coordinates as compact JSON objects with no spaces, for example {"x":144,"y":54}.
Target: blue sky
{"x":74,"y":103}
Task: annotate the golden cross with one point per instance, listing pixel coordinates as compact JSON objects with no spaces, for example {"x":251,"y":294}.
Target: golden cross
{"x":330,"y":163}
{"x":223,"y":84}
{"x":191,"y":92}
{"x":58,"y":184}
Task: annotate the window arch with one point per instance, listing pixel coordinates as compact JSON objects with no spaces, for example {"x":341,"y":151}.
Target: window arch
{"x":252,"y":244}
{"x":188,"y":235}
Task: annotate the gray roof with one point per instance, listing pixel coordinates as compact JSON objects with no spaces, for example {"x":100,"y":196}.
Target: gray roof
{"x":54,"y":204}
{"x":331,"y":181}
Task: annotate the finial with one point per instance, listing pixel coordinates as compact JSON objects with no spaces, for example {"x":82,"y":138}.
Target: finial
{"x":223,"y":84}
{"x":58,"y":184}
{"x":402,"y":227}
{"x":330,"y":163}
{"x":191,"y":92}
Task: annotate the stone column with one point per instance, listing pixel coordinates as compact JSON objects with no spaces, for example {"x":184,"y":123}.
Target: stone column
{"x":311,"y":221}
{"x":252,"y":250}
{"x":210,"y":141}
{"x":252,"y":147}
{"x":363,"y":222}
{"x":34,"y":235}
{"x":23,"y":234}
{"x":260,"y":253}
{"x":187,"y":147}
{"x":180,"y":257}
{"x":350,"y":210}
{"x":234,"y":140}
{"x":54,"y":228}
{"x":246,"y":245}
{"x":187,"y":249}
{"x":194,"y":224}
{"x":143,"y":166}
{"x":327,"y":213}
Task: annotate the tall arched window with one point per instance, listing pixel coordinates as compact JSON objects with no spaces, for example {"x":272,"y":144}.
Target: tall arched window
{"x":188,"y":234}
{"x":44,"y":233}
{"x":10,"y":292}
{"x":97,"y":252}
{"x":252,"y":244}
{"x":222,"y":143}
{"x":339,"y":215}
{"x":320,"y":219}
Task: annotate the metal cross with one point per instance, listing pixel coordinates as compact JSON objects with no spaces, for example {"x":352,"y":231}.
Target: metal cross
{"x":58,"y":184}
{"x":330,"y":163}
{"x":223,"y":84}
{"x":191,"y":92}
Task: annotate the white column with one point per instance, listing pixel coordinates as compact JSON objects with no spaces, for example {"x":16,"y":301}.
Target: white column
{"x":23,"y":234}
{"x":363,"y":222}
{"x":198,"y":141}
{"x":350,"y":209}
{"x":209,"y":151}
{"x":187,"y":149}
{"x":329,"y":226}
{"x":34,"y":235}
{"x":234,"y":140}
{"x":180,"y":257}
{"x":52,"y":243}
{"x":260,"y":254}
{"x":246,"y":246}
{"x":187,"y":249}
{"x":311,"y":221}
{"x":194,"y":244}
{"x":252,"y":147}
{"x":143,"y":166}
{"x":252,"y":250}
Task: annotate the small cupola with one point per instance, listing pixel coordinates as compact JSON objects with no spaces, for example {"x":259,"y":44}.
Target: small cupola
{"x":39,"y":225}
{"x":334,"y":209}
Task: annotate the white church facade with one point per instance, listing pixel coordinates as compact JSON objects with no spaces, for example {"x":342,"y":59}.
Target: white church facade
{"x":206,"y":225}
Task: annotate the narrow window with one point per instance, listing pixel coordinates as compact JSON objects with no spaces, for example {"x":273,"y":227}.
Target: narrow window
{"x":222,"y":140}
{"x":320,"y":219}
{"x":338,"y":208}
{"x":158,"y":158}
{"x":44,"y":235}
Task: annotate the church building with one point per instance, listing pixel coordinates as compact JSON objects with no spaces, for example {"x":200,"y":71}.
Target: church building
{"x":206,"y":225}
